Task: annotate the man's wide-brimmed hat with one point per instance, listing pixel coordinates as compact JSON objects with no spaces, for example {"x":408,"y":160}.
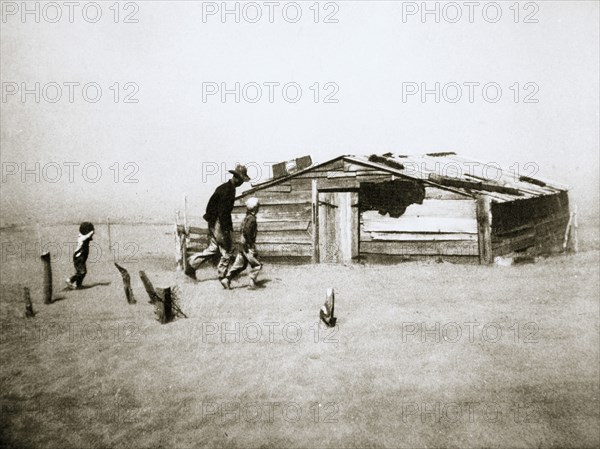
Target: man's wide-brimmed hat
{"x":241,"y":172}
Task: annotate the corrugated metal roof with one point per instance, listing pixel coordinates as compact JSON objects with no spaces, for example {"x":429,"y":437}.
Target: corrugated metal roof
{"x":441,"y":169}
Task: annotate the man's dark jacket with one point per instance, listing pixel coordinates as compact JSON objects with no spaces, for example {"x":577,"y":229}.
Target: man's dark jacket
{"x":220,"y":206}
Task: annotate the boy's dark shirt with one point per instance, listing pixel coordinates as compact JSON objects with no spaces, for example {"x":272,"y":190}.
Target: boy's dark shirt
{"x":85,"y":249}
{"x":220,"y":205}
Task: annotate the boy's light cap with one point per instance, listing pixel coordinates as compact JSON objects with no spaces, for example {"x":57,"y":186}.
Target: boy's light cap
{"x":252,"y":203}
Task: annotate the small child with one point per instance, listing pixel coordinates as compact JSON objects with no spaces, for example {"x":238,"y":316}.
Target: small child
{"x":86,"y":231}
{"x":247,"y":252}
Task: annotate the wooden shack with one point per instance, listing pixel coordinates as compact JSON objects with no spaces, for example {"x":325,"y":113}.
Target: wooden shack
{"x":396,"y":207}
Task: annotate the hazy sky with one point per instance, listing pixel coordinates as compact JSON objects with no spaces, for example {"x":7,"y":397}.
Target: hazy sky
{"x":172,"y":138}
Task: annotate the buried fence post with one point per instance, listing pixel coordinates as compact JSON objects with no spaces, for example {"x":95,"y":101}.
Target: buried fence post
{"x":570,"y":239}
{"x":185,"y":217}
{"x":108,"y":232}
{"x":184,"y":258}
{"x":315,"y":222}
{"x":149,"y":288}
{"x":126,"y":284}
{"x":165,"y":302}
{"x":165,"y":311}
{"x":327,"y":311}
{"x":47,"y":278}
{"x":28,"y":306}
{"x":178,"y":244}
{"x":574,"y":233}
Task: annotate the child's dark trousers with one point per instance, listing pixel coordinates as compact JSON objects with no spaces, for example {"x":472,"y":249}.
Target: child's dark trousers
{"x":80,"y":270}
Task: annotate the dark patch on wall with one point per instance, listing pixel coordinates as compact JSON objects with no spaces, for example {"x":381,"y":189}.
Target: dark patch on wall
{"x":391,"y":197}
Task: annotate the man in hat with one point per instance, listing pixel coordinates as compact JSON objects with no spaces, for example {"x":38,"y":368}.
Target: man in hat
{"x":220,"y":227}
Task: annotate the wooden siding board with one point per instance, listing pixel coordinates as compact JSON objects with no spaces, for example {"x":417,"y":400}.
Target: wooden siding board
{"x":284,"y":237}
{"x":340,"y":174}
{"x":435,"y":193}
{"x":275,"y":209}
{"x":263,"y":226}
{"x":352,"y":166}
{"x":412,"y":236}
{"x":371,"y":221}
{"x":271,"y":198}
{"x":442,"y":208}
{"x":420,"y":248}
{"x":284,"y":250}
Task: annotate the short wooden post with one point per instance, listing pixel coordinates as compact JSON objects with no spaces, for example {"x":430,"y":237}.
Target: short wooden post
{"x":28,"y":305}
{"x":484,"y":229}
{"x":568,"y":230}
{"x":570,"y":238}
{"x":184,"y":258}
{"x":149,"y":288}
{"x":108,"y":232}
{"x":315,"y":222}
{"x":178,"y":252}
{"x":327,"y":312}
{"x":185,"y":217}
{"x":47,"y":278}
{"x":165,"y":311}
{"x":575,"y":225}
{"x":126,"y":284}
{"x":185,"y":237}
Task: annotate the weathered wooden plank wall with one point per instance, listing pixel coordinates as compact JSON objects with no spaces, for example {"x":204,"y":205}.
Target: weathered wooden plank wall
{"x":444,"y":225}
{"x":537,"y":223}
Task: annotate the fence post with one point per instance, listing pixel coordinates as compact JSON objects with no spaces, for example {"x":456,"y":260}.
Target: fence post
{"x":315,"y":221}
{"x":126,"y":284}
{"x":108,"y":232}
{"x":149,"y":288}
{"x":185,"y":217}
{"x":47,"y":278}
{"x":575,"y":225}
{"x":165,"y":311}
{"x":28,"y":306}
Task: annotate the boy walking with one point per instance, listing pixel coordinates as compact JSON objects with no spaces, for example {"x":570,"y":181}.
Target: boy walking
{"x":247,"y":254}
{"x":86,"y":231}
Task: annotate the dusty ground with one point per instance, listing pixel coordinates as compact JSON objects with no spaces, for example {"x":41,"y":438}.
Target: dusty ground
{"x":424,"y":355}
